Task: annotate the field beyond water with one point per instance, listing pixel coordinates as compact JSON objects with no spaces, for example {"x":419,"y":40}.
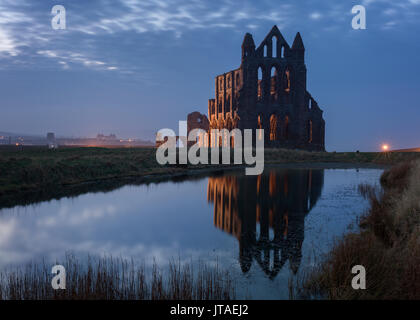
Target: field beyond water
{"x":32,"y":174}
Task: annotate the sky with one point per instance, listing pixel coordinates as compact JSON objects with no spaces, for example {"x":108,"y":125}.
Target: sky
{"x":133,"y":67}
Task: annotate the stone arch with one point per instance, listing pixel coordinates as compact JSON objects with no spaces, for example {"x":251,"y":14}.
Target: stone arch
{"x":288,"y":84}
{"x":287,"y":79}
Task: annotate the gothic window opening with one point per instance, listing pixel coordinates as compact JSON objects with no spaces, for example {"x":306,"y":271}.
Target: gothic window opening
{"x":265,"y":51}
{"x":286,"y":127}
{"x":273,"y":128}
{"x":310,"y":127}
{"x":260,"y":126}
{"x":274,"y":47}
{"x":286,"y":80}
{"x":260,"y":83}
{"x":282,"y":52}
{"x":273,"y":83}
{"x":227,"y":105}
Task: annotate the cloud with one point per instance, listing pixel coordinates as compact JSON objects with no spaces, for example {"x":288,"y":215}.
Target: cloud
{"x":179,"y":16}
{"x":11,"y":21}
{"x":64,"y":58}
{"x":315,"y":16}
{"x":26,"y":33}
{"x":7,"y":44}
{"x":390,"y":12}
{"x":389,"y":25}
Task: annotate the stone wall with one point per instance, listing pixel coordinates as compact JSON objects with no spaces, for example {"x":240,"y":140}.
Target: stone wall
{"x":268,"y":91}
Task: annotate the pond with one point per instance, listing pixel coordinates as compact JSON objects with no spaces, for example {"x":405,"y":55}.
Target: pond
{"x":263,"y":229}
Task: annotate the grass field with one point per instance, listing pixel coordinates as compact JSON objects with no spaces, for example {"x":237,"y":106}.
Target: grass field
{"x":30,"y":174}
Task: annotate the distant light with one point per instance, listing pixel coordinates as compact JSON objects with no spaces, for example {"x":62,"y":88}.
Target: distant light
{"x":385,"y":147}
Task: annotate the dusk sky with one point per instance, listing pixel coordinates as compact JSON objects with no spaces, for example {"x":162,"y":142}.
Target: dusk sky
{"x":133,"y":67}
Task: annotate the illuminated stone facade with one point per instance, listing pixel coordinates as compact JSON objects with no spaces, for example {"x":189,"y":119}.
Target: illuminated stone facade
{"x":268,"y":91}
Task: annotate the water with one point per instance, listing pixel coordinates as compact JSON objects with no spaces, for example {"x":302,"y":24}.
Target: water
{"x":264,"y":229}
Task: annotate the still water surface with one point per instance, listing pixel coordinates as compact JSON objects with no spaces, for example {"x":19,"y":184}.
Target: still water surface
{"x":264,"y":229}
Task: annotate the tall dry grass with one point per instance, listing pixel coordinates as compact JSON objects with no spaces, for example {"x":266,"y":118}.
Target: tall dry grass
{"x":388,"y":245}
{"x":108,"y":278}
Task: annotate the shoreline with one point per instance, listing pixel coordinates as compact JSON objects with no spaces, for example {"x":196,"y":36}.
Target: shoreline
{"x":191,"y":172}
{"x":38,"y":174}
{"x":387,"y":245}
{"x":31,"y":196}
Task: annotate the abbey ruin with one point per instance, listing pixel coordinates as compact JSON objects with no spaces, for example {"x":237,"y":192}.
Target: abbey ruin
{"x":268,"y":91}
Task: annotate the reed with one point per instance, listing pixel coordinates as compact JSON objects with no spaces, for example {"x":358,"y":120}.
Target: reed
{"x":388,"y":245}
{"x":109,"y":278}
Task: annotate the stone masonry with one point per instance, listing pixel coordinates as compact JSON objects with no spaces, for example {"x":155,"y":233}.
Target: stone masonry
{"x":268,"y":91}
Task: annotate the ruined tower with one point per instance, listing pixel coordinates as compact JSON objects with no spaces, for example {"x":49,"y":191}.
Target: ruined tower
{"x":268,"y":91}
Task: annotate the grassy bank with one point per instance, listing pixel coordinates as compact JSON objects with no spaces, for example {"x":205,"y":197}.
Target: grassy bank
{"x":30,"y":173}
{"x":388,"y":245}
{"x":110,"y":278}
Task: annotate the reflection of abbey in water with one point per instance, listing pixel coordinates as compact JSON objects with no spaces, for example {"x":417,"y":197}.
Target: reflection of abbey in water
{"x":266,"y":214}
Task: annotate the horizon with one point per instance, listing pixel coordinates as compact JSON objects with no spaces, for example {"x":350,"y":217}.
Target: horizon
{"x":134,"y":67}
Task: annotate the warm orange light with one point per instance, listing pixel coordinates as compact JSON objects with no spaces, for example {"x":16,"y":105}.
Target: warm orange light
{"x":385,"y":147}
